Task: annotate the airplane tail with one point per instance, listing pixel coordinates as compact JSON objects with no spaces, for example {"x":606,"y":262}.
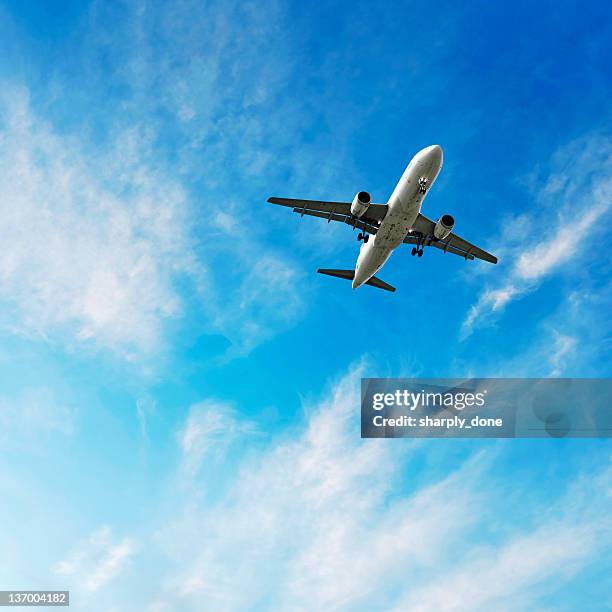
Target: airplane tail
{"x":350,"y":275}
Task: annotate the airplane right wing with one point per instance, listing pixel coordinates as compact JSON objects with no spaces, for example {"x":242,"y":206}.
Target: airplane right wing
{"x":423,"y":230}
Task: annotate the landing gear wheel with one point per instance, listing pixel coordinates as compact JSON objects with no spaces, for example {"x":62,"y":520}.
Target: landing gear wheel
{"x":420,"y":253}
{"x":359,"y":237}
{"x":366,"y":238}
{"x":414,"y":251}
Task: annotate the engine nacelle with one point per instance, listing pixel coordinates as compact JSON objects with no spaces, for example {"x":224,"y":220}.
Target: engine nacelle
{"x":361,"y":203}
{"x":444,"y":226}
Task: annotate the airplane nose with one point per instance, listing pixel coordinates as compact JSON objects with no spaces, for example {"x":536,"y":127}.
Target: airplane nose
{"x":431,"y":157}
{"x":434,"y":153}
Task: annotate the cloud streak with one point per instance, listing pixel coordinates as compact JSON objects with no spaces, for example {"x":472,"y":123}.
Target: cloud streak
{"x":97,"y":560}
{"x":210,"y":428}
{"x":572,"y":204}
{"x":93,"y":242}
{"x":33,"y":416}
{"x":322,"y":519}
{"x":121,"y":225}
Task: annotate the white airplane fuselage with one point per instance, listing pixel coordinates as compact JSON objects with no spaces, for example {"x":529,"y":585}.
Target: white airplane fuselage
{"x":404,"y":206}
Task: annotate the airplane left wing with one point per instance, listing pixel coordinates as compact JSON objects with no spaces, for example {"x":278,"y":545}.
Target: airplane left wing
{"x":336,"y":211}
{"x":423,"y":228}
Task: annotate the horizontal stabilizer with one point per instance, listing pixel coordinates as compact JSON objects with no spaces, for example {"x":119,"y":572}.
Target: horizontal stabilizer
{"x":350,"y":275}
{"x":380,"y":284}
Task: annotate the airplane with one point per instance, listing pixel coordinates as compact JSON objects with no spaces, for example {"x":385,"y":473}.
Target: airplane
{"x":396,"y":222}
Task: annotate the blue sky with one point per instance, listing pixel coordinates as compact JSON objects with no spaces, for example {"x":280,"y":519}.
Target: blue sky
{"x":179,"y":389}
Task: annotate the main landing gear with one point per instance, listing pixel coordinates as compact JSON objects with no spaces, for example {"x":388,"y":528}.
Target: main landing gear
{"x":423,"y":184}
{"x":363,"y":236}
{"x":418,"y":249}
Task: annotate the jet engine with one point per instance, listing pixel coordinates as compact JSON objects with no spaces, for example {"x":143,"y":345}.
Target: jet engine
{"x":360,"y":204}
{"x":444,"y":226}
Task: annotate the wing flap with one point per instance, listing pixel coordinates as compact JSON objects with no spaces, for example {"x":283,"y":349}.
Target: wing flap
{"x":330,"y":216}
{"x":350,"y":220}
{"x":464,"y":245}
{"x":438,"y":244}
{"x":341,"y":207}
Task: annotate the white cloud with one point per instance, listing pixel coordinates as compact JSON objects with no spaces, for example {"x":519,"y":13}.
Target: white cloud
{"x":116,"y":223}
{"x":513,"y":575}
{"x":35,"y":415}
{"x":325,"y":520}
{"x":92,"y":241}
{"x":573,"y":204}
{"x":98,"y":244}
{"x":209,"y":429}
{"x":145,"y":408}
{"x":96,"y":561}
{"x":563,"y":346}
{"x":268,"y":297}
{"x":501,"y":578}
{"x":573,"y":340}
{"x":548,"y":255}
{"x":226,"y":222}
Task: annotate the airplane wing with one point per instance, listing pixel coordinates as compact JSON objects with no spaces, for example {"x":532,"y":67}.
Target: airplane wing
{"x":451,"y":244}
{"x":336,"y":211}
{"x":422,"y":232}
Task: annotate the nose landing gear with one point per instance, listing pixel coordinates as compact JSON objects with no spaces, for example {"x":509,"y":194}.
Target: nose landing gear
{"x":363,"y":236}
{"x":418,"y":252}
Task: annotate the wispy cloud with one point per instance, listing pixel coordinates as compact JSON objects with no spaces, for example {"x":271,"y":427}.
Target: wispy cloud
{"x":96,"y":561}
{"x":572,"y":203}
{"x":221,"y":90}
{"x":34,"y":415}
{"x":93,"y":241}
{"x":574,"y":339}
{"x":562,"y":346}
{"x":145,"y":408}
{"x":210,"y":428}
{"x":515,"y":574}
{"x":325,"y":520}
{"x":502,"y":577}
{"x":117,"y":224}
